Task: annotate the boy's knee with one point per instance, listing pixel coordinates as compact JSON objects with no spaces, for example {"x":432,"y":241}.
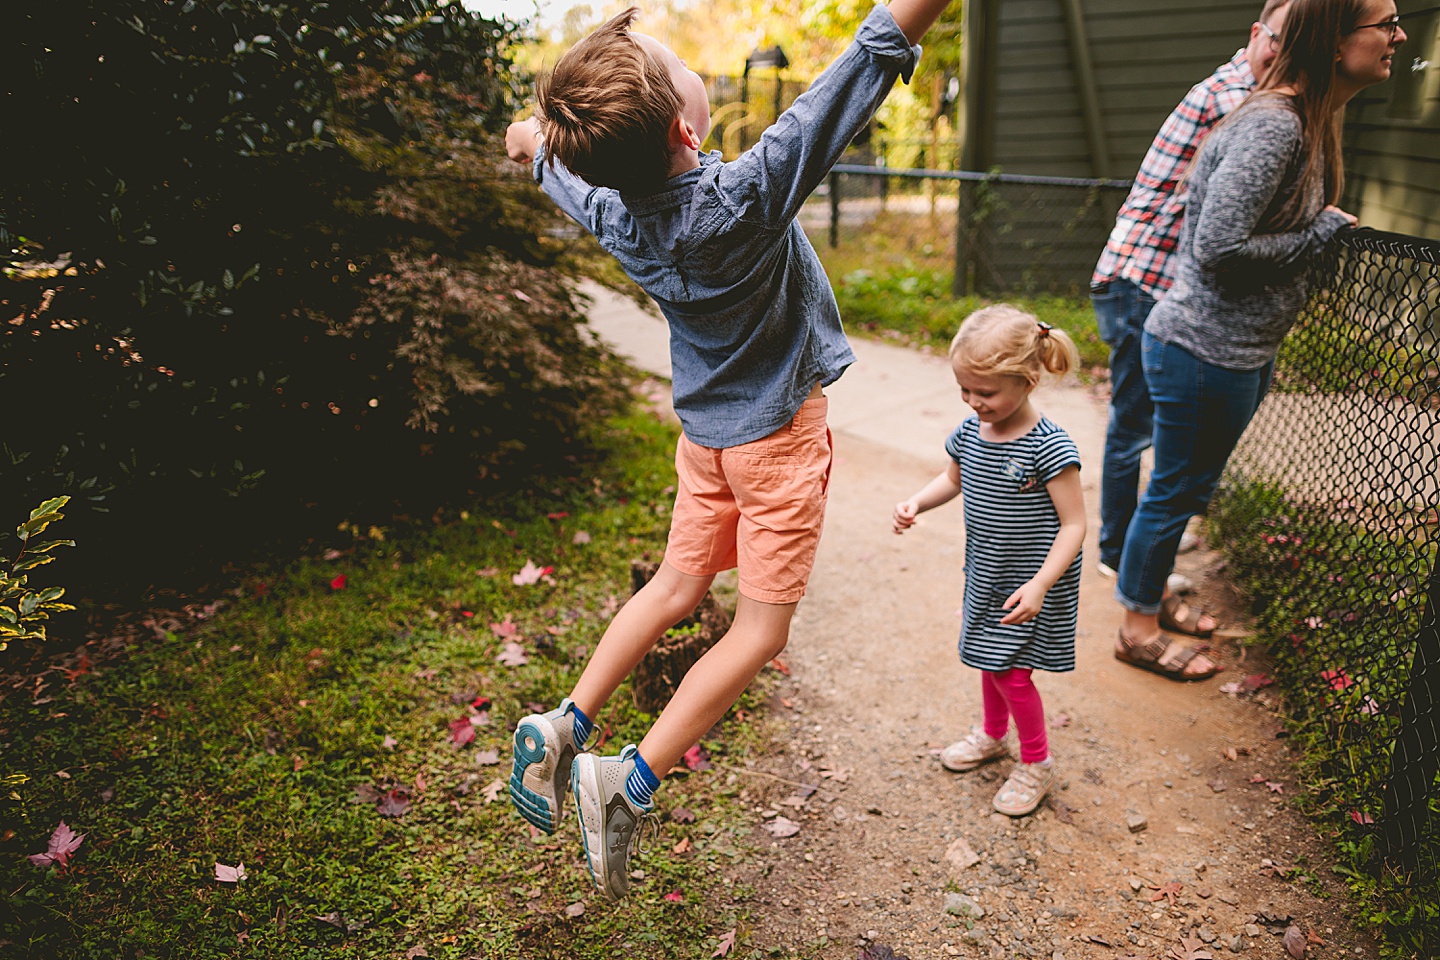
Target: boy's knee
{"x":675,"y":591}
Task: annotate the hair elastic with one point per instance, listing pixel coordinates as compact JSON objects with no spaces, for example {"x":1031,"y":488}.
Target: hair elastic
{"x":1045,"y":328}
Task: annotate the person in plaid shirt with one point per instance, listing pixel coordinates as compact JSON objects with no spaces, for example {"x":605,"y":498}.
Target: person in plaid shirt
{"x":1130,"y":275}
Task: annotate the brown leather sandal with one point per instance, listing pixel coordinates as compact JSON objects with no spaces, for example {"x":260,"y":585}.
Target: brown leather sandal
{"x":1147,"y":657}
{"x":1190,"y":624}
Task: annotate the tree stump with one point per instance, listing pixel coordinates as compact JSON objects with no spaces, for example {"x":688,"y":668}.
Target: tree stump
{"x":660,"y":672}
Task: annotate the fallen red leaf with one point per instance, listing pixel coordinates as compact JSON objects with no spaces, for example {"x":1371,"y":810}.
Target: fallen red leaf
{"x":505,"y":628}
{"x":1338,"y":679}
{"x":1364,"y":819}
{"x":1257,"y":680}
{"x":530,"y":574}
{"x":696,"y":759}
{"x":558,"y":515}
{"x":228,"y":874}
{"x":63,"y":842}
{"x":462,"y":731}
{"x":727,"y":943}
{"x":780,"y":665}
{"x":82,"y":667}
{"x":394,"y":803}
{"x":1166,"y":891}
{"x":674,"y":896}
{"x":338,"y":583}
{"x":481,"y":702}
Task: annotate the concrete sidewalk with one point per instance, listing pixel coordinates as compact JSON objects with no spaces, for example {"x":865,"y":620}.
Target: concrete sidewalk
{"x":895,"y":397}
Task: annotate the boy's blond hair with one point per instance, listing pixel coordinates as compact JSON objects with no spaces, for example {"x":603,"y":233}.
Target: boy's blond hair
{"x":607,"y":108}
{"x":1005,"y":341}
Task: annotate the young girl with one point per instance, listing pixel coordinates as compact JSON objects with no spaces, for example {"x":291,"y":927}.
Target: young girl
{"x":1024,"y":525}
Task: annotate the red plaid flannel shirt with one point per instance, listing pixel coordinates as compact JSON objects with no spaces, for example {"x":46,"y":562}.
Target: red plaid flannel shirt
{"x":1148,"y":227}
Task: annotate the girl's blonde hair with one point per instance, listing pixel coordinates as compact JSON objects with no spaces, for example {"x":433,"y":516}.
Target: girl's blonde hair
{"x":1005,"y":341}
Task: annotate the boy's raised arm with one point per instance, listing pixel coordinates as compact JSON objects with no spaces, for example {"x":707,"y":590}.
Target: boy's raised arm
{"x":914,"y":17}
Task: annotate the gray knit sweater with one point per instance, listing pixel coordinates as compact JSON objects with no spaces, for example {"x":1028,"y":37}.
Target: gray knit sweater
{"x":1239,"y":285}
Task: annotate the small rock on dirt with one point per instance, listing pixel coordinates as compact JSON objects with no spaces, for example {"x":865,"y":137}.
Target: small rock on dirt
{"x":959,"y":905}
{"x":960,"y":856}
{"x":1136,"y":822}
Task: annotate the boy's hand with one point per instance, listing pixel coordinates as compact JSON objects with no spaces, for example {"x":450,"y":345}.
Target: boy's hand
{"x":522,"y":139}
{"x":904,"y":517}
{"x":1024,"y":603}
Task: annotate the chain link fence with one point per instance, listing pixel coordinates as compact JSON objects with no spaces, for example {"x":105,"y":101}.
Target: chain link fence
{"x":1003,"y":233}
{"x":1328,"y":517}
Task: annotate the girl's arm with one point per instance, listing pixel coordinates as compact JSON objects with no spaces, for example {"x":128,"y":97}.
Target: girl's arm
{"x":1064,"y":489}
{"x":940,"y":490}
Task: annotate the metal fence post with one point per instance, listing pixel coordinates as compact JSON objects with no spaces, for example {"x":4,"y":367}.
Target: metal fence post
{"x":1415,"y":758}
{"x":964,"y":239}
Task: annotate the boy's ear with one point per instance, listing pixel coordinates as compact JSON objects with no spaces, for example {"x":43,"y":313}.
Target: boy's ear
{"x":683,"y":136}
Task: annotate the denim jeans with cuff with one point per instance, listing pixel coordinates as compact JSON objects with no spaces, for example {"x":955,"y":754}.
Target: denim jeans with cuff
{"x":1201,"y":410}
{"x":1120,"y":311}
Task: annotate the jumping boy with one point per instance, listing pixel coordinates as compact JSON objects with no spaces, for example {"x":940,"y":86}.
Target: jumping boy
{"x":754,"y":335}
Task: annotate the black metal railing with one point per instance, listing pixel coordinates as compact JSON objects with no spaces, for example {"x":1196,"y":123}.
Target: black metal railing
{"x":1002,"y":233}
{"x":1328,"y":516}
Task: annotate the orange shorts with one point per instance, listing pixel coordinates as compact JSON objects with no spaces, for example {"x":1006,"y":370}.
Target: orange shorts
{"x":759,"y":507}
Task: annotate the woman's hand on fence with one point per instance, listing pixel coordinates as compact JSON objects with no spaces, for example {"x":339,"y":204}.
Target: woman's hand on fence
{"x":522,"y":139}
{"x":1350,"y":218}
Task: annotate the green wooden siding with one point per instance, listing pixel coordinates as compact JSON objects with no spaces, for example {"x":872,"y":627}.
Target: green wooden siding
{"x":1392,"y":139}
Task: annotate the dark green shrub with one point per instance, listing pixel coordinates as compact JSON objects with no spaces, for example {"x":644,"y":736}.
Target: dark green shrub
{"x":267,"y":263}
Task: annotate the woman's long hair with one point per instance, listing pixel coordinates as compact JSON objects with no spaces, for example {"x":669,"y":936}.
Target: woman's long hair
{"x":1308,"y":57}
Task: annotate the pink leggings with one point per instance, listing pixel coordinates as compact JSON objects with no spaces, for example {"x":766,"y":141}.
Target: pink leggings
{"x":1011,"y":693}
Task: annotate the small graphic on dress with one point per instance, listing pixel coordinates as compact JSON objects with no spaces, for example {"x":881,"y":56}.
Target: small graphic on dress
{"x":1027,"y":480}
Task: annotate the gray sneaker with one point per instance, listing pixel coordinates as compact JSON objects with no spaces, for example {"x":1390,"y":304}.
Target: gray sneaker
{"x":545,"y":748}
{"x":609,"y":820}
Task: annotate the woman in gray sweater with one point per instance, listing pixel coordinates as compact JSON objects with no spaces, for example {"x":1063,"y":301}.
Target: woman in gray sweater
{"x":1260,"y":206}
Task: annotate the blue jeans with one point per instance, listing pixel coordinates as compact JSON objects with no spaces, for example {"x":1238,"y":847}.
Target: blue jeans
{"x":1120,"y":311}
{"x":1200,"y":412}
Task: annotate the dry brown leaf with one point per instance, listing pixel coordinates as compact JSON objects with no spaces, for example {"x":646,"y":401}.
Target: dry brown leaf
{"x":1294,"y":942}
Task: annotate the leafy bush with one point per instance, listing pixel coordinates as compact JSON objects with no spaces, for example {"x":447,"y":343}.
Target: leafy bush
{"x":23,"y":611}
{"x":267,"y":262}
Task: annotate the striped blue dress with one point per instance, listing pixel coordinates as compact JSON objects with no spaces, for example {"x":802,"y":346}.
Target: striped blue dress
{"x":1010,"y":525}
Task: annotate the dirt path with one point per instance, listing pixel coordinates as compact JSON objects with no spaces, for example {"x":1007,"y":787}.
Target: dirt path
{"x":894,"y":851}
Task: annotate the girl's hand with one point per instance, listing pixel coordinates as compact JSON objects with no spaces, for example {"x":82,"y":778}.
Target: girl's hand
{"x":1349,"y":217}
{"x":521,"y":140}
{"x":1024,"y":603}
{"x":904,"y":517}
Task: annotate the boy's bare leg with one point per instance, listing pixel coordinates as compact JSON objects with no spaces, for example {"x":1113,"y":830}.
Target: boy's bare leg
{"x":716,"y":681}
{"x":669,"y":597}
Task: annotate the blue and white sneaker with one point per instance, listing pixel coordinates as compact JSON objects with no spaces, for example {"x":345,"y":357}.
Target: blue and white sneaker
{"x":609,"y":819}
{"x":545,"y":748}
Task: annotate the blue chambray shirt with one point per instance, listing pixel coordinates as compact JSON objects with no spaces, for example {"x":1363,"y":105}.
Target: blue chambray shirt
{"x":753,"y":321}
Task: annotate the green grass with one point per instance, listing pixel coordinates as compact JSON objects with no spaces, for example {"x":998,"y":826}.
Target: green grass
{"x":245,"y":736}
{"x":893,"y":280}
{"x":1336,"y":598}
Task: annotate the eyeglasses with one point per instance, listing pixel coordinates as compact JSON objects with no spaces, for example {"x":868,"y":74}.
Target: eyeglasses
{"x":1274,"y":37}
{"x":1393,"y":24}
